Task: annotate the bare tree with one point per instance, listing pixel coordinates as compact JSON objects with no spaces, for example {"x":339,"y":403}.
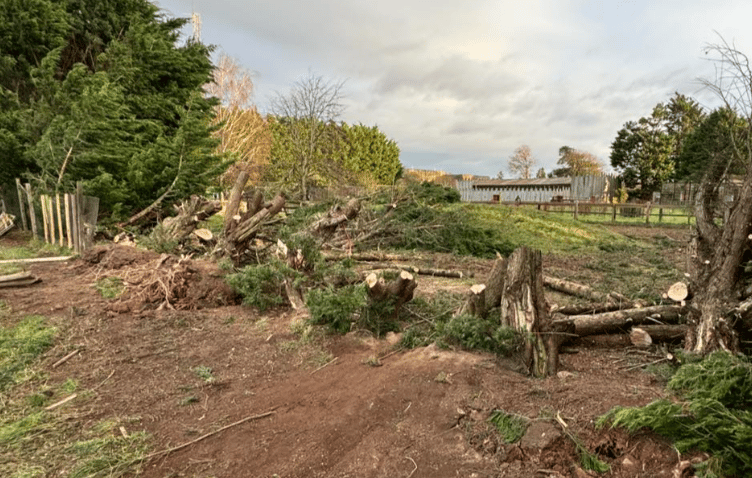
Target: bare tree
{"x":312,"y":103}
{"x":718,"y":250}
{"x":243,"y":132}
{"x":522,"y":162}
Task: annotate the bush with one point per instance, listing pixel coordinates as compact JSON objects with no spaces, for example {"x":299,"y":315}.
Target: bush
{"x":261,"y":286}
{"x":473,"y":333}
{"x":336,"y":308}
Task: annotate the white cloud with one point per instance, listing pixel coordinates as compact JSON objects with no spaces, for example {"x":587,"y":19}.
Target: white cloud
{"x":467,"y":82}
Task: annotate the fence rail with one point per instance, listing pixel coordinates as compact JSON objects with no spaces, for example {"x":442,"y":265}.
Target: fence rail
{"x":647,"y":212}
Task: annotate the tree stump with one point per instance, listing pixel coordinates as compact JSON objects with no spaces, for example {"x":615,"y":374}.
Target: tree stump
{"x":399,"y":291}
{"x":523,"y":307}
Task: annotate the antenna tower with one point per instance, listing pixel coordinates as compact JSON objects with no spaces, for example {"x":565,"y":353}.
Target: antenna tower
{"x":196,"y":20}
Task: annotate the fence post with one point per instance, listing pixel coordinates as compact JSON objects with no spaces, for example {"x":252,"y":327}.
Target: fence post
{"x":575,"y":210}
{"x":19,"y":190}
{"x":43,"y":205}
{"x":647,"y":213}
{"x":68,"y":227}
{"x":80,"y":216}
{"x":613,"y":213}
{"x":32,"y":213}
{"x":59,"y":220}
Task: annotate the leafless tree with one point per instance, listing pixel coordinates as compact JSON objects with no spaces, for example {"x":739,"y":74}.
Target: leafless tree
{"x":718,"y":250}
{"x":312,"y":103}
{"x":522,"y":162}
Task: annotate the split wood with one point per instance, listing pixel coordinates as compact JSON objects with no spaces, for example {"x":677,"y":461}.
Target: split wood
{"x":203,"y":437}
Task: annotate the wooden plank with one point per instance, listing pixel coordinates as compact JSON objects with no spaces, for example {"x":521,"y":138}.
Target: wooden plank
{"x":43,"y":205}
{"x":68,"y":230}
{"x":19,"y":190}
{"x":16,"y":276}
{"x":32,"y":213}
{"x":59,"y":221}
{"x":36,"y":259}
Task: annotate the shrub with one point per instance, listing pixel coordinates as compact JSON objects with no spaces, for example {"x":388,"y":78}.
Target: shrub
{"x":261,"y":286}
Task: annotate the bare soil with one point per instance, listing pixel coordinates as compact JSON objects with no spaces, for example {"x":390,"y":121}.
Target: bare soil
{"x":421,"y":413}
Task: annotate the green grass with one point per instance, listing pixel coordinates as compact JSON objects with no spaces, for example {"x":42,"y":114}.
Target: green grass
{"x":110,"y":287}
{"x":35,"y":442}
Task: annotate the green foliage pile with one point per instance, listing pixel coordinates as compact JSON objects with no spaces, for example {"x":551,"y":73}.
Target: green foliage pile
{"x":711,"y":413}
{"x":261,"y":286}
{"x":104,"y":93}
{"x":336,"y":308}
{"x":511,"y":427}
{"x":472,"y":333}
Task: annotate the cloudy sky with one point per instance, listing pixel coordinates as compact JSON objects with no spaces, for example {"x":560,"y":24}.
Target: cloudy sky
{"x":460,"y":85}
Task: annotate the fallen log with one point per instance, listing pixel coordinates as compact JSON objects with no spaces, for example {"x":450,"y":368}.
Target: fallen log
{"x":20,"y":279}
{"x":646,"y":335}
{"x":586,"y":308}
{"x":336,"y":216}
{"x":189,"y":214}
{"x":609,"y":322}
{"x":584,"y":291}
{"x":448,"y":273}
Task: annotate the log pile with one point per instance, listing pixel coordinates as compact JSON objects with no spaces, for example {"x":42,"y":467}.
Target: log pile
{"x":189,"y":214}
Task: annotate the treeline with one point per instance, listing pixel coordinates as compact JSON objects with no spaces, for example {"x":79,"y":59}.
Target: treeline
{"x":106,"y":92}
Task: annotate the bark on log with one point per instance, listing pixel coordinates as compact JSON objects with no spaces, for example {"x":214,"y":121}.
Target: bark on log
{"x":645,"y":335}
{"x":523,"y":307}
{"x":586,"y":308}
{"x":452,"y":274}
{"x":234,"y":203}
{"x":190,"y":213}
{"x":336,"y":216}
{"x":400,"y":290}
{"x":475,"y":304}
{"x":247,"y":228}
{"x":610,"y":322}
{"x":584,"y":291}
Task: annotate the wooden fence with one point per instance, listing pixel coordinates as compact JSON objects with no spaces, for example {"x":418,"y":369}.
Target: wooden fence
{"x":67,"y":220}
{"x":630,"y":212}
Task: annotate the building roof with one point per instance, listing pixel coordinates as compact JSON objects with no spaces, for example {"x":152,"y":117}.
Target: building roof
{"x":517,"y":183}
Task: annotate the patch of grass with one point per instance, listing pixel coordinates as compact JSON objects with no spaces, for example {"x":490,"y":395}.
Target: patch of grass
{"x":20,"y":346}
{"x":188,"y":400}
{"x":110,"y":287}
{"x":204,"y":373}
{"x":511,"y":427}
{"x":109,"y":456}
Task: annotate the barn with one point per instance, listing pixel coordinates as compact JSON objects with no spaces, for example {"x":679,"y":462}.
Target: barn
{"x":578,"y":188}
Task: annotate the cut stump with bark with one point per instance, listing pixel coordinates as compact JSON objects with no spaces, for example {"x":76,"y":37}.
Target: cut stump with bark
{"x":397,"y":291}
{"x":524,"y":308}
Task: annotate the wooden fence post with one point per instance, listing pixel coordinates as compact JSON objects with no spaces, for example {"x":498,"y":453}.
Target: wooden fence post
{"x":575,"y":210}
{"x":59,"y":220}
{"x":80,"y":216}
{"x":68,"y":228}
{"x":19,"y":190}
{"x":613,"y":213}
{"x":43,"y":205}
{"x":647,"y":213}
{"x":32,"y":213}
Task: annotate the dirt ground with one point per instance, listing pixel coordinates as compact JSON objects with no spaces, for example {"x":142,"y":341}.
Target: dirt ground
{"x":316,"y":408}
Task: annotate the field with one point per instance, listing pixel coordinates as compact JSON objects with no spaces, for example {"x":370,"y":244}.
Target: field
{"x":216,"y":389}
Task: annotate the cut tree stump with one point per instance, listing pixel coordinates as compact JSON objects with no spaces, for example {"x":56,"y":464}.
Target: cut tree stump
{"x":400,"y":290}
{"x":646,"y":335}
{"x":523,"y":308}
{"x":476,"y":302}
{"x":610,"y":322}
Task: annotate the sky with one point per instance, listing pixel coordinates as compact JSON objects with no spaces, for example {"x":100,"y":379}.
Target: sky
{"x":460,"y":85}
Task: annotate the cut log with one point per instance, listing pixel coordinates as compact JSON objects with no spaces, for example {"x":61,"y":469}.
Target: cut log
{"x":679,"y":292}
{"x":645,"y":335}
{"x":190,"y":213}
{"x":234,"y":203}
{"x":21,"y":279}
{"x":204,"y":234}
{"x":584,"y":291}
{"x":336,"y":216}
{"x":610,"y":322}
{"x":448,"y":273}
{"x":523,"y":308}
{"x":247,"y":228}
{"x":587,"y":308}
{"x":400,"y":290}
{"x":476,"y":302}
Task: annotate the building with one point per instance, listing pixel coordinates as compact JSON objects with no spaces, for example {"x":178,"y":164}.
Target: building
{"x":577,"y":188}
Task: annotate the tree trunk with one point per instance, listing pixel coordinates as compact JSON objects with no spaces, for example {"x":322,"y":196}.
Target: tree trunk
{"x":336,"y":216}
{"x":523,"y":307}
{"x":234,"y":203}
{"x":495,"y":283}
{"x":717,"y":265}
